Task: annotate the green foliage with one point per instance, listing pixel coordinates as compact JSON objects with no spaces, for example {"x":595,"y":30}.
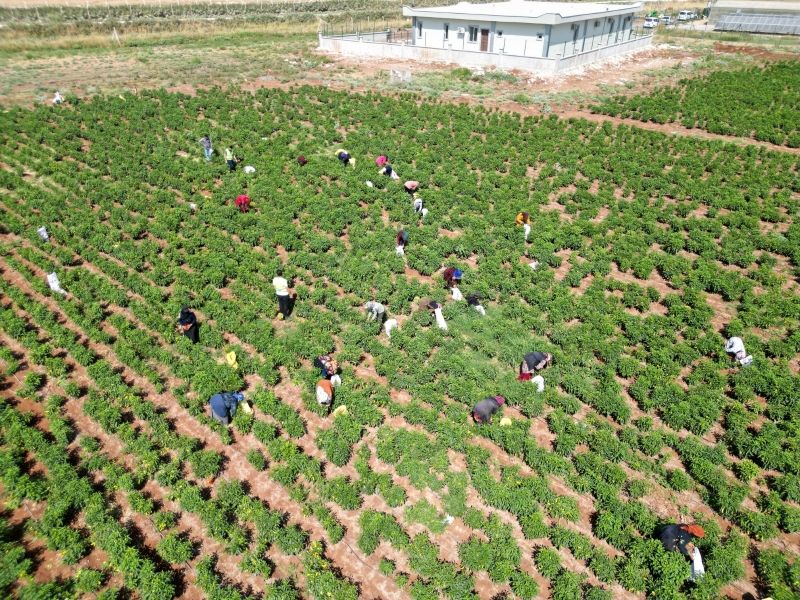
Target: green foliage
{"x":425,"y":513}
{"x":386,"y":567}
{"x":548,"y":562}
{"x":721,"y":103}
{"x":174,"y":549}
{"x":88,"y":580}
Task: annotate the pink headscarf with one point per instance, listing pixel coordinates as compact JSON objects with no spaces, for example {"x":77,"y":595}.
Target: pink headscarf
{"x":381,"y":160}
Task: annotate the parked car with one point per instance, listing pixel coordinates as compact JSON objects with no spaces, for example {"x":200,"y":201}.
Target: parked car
{"x":667,"y":20}
{"x":650,"y":22}
{"x":687,"y":15}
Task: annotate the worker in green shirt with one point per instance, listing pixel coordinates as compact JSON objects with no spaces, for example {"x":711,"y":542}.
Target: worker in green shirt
{"x":230,"y":158}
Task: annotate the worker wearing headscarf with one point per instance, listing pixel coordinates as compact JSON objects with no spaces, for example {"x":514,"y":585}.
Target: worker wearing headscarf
{"x":534,"y":361}
{"x":428,"y":304}
{"x":482,"y":412}
{"x":675,"y":537}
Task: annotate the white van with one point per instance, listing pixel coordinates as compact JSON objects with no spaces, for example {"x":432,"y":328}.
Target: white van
{"x":687,"y":15}
{"x":650,"y":22}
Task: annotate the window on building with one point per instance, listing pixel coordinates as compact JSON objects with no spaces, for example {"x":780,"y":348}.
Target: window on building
{"x":539,"y":36}
{"x":597,"y":23}
{"x":499,"y":34}
{"x":419,"y":28}
{"x":473,"y":34}
{"x":447,"y":31}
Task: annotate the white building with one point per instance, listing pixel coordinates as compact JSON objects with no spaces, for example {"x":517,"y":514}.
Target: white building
{"x":531,"y":36}
{"x":521,"y":28}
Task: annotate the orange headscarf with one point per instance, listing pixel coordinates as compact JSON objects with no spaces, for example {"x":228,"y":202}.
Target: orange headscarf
{"x":695,"y":530}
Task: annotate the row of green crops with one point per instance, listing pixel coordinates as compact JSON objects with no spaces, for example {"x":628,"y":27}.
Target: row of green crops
{"x":758,"y":102}
{"x":650,"y":249}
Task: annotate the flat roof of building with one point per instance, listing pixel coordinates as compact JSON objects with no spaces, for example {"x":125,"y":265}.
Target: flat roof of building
{"x":523,"y":11}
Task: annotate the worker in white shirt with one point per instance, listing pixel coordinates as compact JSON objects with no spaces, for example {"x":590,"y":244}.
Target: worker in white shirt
{"x":375,"y":311}
{"x":735,"y":350}
{"x":324,"y":392}
{"x":282,"y":291}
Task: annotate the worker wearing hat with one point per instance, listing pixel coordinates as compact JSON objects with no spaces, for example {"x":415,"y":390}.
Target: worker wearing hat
{"x":452,"y":277}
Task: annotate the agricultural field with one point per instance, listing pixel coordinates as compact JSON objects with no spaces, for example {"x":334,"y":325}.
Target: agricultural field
{"x":651,"y":249}
{"x":759,"y":102}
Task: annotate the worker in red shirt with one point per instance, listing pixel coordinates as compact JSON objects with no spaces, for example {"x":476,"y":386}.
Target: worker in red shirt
{"x":243,"y":202}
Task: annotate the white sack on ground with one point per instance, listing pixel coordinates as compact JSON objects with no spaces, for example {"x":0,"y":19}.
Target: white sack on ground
{"x":55,"y":284}
{"x":538,"y":381}
{"x":698,"y":570}
{"x":389,"y":325}
{"x":440,"y":319}
{"x":42,"y":231}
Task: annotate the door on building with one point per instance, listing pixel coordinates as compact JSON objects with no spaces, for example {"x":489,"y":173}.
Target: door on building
{"x":484,"y":40}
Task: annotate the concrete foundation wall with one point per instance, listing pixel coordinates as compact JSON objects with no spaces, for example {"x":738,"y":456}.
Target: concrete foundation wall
{"x":466,"y":58}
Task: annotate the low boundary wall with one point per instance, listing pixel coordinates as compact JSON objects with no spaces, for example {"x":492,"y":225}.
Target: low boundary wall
{"x":355,"y":45}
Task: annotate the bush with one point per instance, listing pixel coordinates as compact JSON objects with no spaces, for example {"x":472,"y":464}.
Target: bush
{"x":174,"y":549}
{"x":548,"y":562}
{"x":256,"y":458}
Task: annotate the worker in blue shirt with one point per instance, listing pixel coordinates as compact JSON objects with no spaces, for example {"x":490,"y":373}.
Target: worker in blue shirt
{"x":223,"y":406}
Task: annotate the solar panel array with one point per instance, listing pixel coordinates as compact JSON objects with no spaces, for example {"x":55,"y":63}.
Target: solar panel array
{"x":784,"y":24}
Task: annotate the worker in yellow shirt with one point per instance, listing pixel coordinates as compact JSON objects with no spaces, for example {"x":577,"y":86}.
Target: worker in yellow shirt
{"x":230,"y":158}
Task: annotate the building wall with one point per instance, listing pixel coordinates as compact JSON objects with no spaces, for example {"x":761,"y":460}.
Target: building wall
{"x":470,"y":58}
{"x":590,"y":34}
{"x":523,"y":39}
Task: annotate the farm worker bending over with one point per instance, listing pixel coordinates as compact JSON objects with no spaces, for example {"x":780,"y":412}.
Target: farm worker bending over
{"x":411,"y":186}
{"x":57,"y":99}
{"x":375,"y":311}
{"x":230,"y":158}
{"x":327,"y":366}
{"x":205,"y":142}
{"x":243,"y":202}
{"x":735,"y":349}
{"x":381,"y":161}
{"x":282,"y":291}
{"x":345,"y":158}
{"x":187,"y":324}
{"x":675,"y":537}
{"x":301,"y":160}
{"x":324,"y":392}
{"x":428,"y":304}
{"x":474,"y":300}
{"x":524,"y":219}
{"x":387,"y":170}
{"x":452,"y":277}
{"x":402,"y":238}
{"x":223,"y":406}
{"x":418,"y":205}
{"x":482,"y":412}
{"x":534,"y":361}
